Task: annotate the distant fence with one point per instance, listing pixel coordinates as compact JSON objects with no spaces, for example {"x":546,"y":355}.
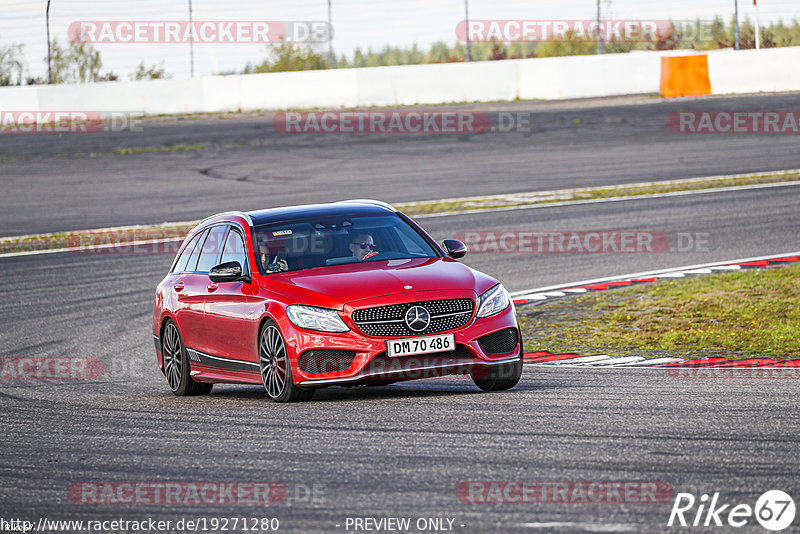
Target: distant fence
{"x":729,"y":72}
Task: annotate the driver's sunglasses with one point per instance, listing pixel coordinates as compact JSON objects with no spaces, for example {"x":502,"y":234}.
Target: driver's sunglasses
{"x":364,"y":245}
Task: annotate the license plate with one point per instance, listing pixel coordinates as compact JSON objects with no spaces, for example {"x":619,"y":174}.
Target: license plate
{"x":421,"y":345}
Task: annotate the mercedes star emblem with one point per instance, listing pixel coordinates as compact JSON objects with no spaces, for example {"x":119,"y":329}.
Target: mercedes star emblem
{"x":418,"y":318}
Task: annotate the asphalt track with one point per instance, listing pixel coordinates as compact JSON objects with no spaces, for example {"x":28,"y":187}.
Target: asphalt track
{"x":62,"y":182}
{"x":399,"y":450}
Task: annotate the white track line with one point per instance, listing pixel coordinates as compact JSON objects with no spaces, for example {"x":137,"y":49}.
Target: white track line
{"x":617,"y":361}
{"x":672,"y":275}
{"x":610,"y":199}
{"x":87,"y":249}
{"x":652,"y":362}
{"x":578,"y":360}
{"x":550,"y":193}
{"x":488,"y":210}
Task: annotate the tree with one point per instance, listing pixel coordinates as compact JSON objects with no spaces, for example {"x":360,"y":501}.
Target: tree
{"x":571,"y":46}
{"x":286,"y":57}
{"x":698,"y":35}
{"x":75,"y":63}
{"x":153,"y":72}
{"x":12,"y":65}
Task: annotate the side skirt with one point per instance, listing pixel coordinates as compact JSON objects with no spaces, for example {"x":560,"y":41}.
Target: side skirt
{"x":208,"y":368}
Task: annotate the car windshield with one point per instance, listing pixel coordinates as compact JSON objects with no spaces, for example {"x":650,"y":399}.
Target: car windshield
{"x":337,"y":240}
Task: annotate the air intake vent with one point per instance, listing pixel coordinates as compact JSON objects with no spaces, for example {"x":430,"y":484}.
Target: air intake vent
{"x":500,"y":342}
{"x":321,"y":361}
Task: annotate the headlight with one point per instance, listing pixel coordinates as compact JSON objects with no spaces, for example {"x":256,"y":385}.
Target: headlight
{"x":311,"y":318}
{"x":493,"y":301}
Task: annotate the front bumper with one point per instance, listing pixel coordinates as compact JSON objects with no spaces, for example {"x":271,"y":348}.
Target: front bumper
{"x":370,"y":362}
{"x":408,"y":372}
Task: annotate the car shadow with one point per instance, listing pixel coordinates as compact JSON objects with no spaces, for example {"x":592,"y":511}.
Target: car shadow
{"x":409,"y":390}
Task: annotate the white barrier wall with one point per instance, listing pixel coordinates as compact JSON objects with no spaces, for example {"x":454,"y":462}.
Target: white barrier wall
{"x":754,"y":71}
{"x":547,"y":78}
{"x":589,"y":76}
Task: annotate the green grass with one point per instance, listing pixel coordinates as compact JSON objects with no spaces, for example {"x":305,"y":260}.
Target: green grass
{"x":741,"y":314}
{"x":571,"y":195}
{"x":463,"y":205}
{"x":92,"y":237}
{"x":175,"y":148}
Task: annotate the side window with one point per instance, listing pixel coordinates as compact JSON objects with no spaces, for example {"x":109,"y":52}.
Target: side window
{"x":234,"y":249}
{"x":180,"y":265}
{"x":211,"y":249}
{"x":191,"y":261}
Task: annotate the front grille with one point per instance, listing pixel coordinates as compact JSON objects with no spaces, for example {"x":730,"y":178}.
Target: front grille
{"x":500,"y":342}
{"x":382,"y":363}
{"x":320,"y":361}
{"x":389,"y":321}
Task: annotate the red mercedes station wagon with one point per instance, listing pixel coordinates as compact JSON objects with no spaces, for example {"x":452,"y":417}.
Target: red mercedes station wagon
{"x":349,"y":293}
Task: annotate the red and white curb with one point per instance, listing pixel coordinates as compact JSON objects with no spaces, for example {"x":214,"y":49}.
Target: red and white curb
{"x":548,"y":359}
{"x":542,"y":295}
{"x":536,"y":296}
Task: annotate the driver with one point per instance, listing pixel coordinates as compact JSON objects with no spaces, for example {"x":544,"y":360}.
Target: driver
{"x":362,"y":246}
{"x":273,"y":263}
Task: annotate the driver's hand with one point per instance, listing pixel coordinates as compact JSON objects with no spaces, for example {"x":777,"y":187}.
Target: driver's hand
{"x":276,"y":266}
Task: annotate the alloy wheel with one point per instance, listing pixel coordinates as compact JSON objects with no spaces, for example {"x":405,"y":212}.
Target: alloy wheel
{"x":272,"y":359}
{"x":173,"y":353}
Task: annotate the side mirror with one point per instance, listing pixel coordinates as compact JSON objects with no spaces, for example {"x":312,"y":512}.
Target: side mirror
{"x":454,"y":248}
{"x":230,"y":271}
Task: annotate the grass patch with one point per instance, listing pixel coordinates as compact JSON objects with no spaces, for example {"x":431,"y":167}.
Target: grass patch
{"x":175,"y":148}
{"x":88,"y":238}
{"x":433,"y":207}
{"x":736,"y":315}
{"x":466,"y":205}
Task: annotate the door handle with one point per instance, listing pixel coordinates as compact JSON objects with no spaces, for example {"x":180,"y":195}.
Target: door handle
{"x":212,"y":287}
{"x":178,"y":286}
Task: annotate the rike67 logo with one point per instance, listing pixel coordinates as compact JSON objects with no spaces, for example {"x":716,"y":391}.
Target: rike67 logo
{"x":774,"y":510}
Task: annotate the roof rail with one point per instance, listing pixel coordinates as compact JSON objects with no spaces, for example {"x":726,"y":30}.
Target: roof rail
{"x":243,"y":215}
{"x":369,"y":201}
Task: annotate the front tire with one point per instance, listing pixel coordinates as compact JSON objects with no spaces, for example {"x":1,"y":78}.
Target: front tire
{"x":176,"y":364}
{"x":501,"y":377}
{"x":276,"y":372}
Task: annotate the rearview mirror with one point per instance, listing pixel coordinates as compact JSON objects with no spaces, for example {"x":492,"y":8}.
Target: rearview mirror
{"x":454,"y":248}
{"x":230,"y":271}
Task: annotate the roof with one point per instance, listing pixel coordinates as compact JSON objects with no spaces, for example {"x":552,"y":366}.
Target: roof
{"x":345,"y":208}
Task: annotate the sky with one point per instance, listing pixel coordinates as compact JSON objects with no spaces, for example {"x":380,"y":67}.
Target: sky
{"x":356,"y":23}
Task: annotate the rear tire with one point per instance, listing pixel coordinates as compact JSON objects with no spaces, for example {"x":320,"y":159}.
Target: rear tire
{"x":276,"y":372}
{"x":176,"y":364}
{"x":500,"y":377}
